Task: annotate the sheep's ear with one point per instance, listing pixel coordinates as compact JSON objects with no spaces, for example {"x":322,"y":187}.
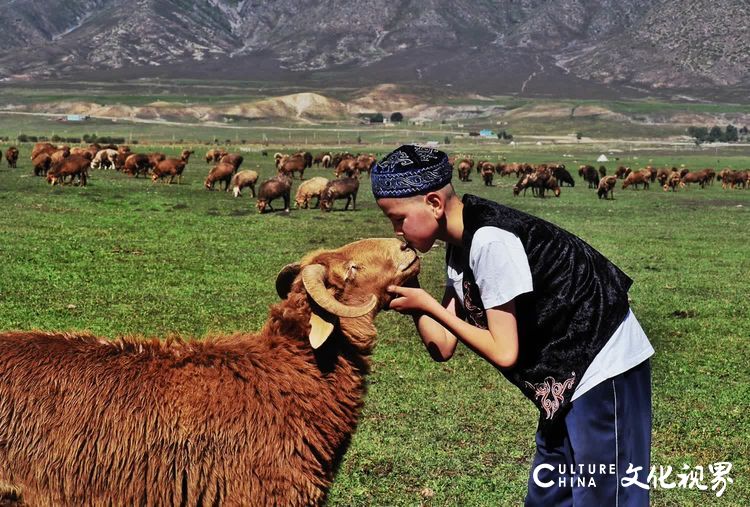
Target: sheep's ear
{"x":285,"y":278}
{"x":320,"y":330}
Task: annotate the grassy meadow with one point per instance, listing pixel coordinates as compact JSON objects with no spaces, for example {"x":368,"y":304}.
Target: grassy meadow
{"x":125,"y":256}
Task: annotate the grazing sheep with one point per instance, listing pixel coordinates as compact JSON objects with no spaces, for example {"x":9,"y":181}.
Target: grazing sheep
{"x":622,"y":172}
{"x":365,"y":163}
{"x":11,"y":156}
{"x":234,"y":159}
{"x":590,"y":175}
{"x":338,"y":189}
{"x":346,"y":167}
{"x":673,"y":181}
{"x":248,"y":419}
{"x":41,"y":164}
{"x":464,"y":169}
{"x":607,"y":187}
{"x":278,"y":186}
{"x":244,"y":179}
{"x":214,"y":155}
{"x":171,"y":167}
{"x":105,"y":159}
{"x":319,"y":159}
{"x":59,"y":155}
{"x":75,"y":166}
{"x":288,"y":165}
{"x":487,"y":171}
{"x":562,"y":175}
{"x":700,"y":177}
{"x":313,"y":187}
{"x":635,"y":179}
{"x":40,"y":148}
{"x":220,"y":172}
{"x":137,"y":163}
{"x":154,"y":158}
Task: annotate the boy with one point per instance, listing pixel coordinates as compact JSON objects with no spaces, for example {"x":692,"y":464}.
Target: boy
{"x":546,"y":309}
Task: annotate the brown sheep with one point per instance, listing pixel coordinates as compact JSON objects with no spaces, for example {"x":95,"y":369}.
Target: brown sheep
{"x":307,"y":157}
{"x":75,"y":166}
{"x":662,"y":175}
{"x":464,"y":169}
{"x":562,"y":175}
{"x":673,"y":181}
{"x":607,"y":187}
{"x":635,"y":179}
{"x":171,"y":167}
{"x":590,"y":175}
{"x":11,"y":156}
{"x":278,"y":186}
{"x":242,"y":180}
{"x":41,"y":164}
{"x":326,"y":161}
{"x":699,"y":177}
{"x":346,"y":167}
{"x":733,"y":179}
{"x":622,"y":172}
{"x":221,"y":172}
{"x":154,"y":158}
{"x":59,"y":155}
{"x":249,"y":419}
{"x":288,"y":165}
{"x":137,"y":163}
{"x":338,"y":189}
{"x":319,"y":158}
{"x":40,"y":148}
{"x":234,"y":159}
{"x":313,"y":187}
{"x":487,"y":172}
{"x":365,"y":163}
{"x":214,"y":155}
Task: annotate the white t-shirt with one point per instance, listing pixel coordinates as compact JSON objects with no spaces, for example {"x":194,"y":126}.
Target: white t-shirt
{"x":502,"y":272}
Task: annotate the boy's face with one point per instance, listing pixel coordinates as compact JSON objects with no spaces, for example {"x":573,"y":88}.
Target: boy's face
{"x":414,"y":219}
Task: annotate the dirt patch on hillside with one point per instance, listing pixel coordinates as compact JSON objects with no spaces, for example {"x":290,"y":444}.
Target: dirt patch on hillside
{"x":298,"y":105}
{"x":383,"y":98}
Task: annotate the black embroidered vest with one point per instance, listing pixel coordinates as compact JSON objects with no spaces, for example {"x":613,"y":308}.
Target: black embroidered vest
{"x":579,"y":300}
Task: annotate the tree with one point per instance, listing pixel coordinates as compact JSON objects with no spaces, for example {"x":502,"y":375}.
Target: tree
{"x":376,"y":118}
{"x":715,"y":134}
{"x":447,"y":140}
{"x":579,"y":135}
{"x":731,"y":134}
{"x":397,"y":117}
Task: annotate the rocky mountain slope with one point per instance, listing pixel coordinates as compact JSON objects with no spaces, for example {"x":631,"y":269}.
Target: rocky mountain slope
{"x":525,"y":46}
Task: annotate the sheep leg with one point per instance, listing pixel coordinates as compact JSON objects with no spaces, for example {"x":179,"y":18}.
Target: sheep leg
{"x":252,"y":189}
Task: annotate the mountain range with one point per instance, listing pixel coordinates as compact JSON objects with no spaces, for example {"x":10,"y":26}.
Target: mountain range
{"x":575,"y":48}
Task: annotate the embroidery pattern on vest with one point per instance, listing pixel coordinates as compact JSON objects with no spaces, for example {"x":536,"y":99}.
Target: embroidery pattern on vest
{"x":475,"y":312}
{"x":551,"y":393}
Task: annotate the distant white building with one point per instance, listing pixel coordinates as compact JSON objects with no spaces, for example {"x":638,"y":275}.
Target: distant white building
{"x":602,"y":158}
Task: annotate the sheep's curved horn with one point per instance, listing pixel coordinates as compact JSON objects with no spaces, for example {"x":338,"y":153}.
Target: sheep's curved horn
{"x":285,"y":278}
{"x":312,"y":278}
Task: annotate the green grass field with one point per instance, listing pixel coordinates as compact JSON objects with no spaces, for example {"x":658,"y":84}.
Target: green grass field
{"x":125,"y":256}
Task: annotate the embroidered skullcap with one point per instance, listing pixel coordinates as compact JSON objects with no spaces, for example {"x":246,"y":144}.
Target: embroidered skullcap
{"x":410,"y":170}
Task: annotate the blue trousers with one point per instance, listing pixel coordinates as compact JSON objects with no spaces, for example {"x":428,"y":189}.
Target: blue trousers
{"x":606,"y":429}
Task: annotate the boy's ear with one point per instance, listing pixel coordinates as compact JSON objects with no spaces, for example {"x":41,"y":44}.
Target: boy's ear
{"x":436,"y":202}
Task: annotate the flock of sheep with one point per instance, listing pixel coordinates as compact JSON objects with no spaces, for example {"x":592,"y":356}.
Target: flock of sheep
{"x":543,"y":177}
{"x":58,"y":163}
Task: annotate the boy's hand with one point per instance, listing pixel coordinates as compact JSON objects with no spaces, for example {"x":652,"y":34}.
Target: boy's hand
{"x":410,"y":299}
